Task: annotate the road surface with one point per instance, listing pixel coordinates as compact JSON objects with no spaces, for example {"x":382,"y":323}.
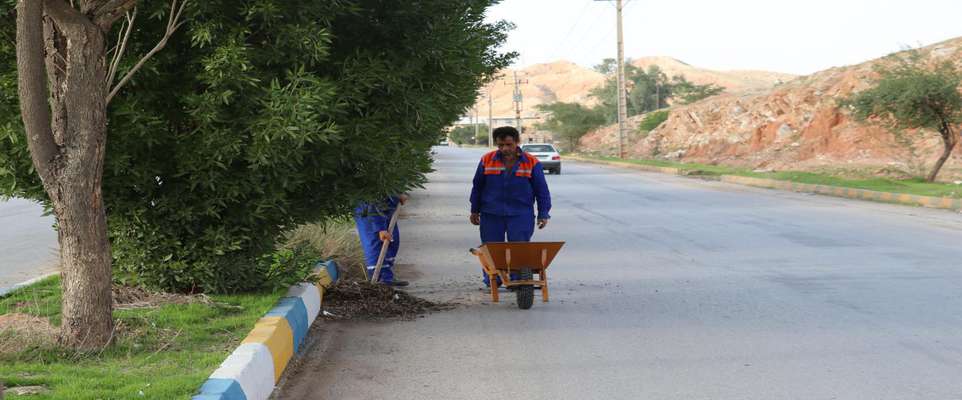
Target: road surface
{"x":668,"y":288}
{"x":28,"y":242}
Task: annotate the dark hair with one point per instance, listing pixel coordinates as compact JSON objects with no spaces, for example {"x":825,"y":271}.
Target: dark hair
{"x":505,"y":131}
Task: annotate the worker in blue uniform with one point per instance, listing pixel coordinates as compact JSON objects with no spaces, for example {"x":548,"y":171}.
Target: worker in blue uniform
{"x":373,"y":220}
{"x":507,"y":184}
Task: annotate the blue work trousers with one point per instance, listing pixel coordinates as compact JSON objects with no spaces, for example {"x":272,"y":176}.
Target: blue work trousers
{"x":506,"y":228}
{"x":371,"y":244}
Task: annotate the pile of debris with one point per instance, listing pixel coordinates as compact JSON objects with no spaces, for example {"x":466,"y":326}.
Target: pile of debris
{"x":348,"y":300}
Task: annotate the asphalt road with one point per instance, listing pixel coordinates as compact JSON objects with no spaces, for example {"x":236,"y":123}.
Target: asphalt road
{"x":28,"y":243}
{"x":668,"y":288}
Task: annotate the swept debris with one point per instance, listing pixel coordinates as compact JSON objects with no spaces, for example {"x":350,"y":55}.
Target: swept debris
{"x":348,"y":300}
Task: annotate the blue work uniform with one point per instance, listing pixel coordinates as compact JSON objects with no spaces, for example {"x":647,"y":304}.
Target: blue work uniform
{"x":505,"y":199}
{"x":372,"y":218}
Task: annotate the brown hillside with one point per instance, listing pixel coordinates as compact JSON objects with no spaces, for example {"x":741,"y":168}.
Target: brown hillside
{"x":796,"y":125}
{"x":568,"y":82}
{"x":733,"y":81}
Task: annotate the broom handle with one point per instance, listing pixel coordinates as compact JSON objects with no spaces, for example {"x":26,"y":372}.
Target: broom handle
{"x":385,"y":244}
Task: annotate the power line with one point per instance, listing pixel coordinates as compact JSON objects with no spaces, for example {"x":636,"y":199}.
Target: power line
{"x":564,"y":40}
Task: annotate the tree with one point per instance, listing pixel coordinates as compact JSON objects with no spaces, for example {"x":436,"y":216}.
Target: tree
{"x":647,"y":90}
{"x":571,"y":121}
{"x":689,"y":92}
{"x":65,"y":84}
{"x":911,"y":95}
{"x":268,"y":114}
{"x":465,"y":134}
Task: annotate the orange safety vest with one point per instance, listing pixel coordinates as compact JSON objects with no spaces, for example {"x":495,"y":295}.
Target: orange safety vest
{"x":494,"y":166}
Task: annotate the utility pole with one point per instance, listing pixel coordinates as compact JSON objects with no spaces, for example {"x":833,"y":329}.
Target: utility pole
{"x":518,"y":100}
{"x":477,"y":125}
{"x":490,"y":114}
{"x":622,"y":92}
{"x":622,"y":99}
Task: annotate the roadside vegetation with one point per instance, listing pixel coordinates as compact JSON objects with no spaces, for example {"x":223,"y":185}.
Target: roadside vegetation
{"x":916,"y":186}
{"x":165,"y":345}
{"x":465,"y":134}
{"x":250,"y":120}
{"x":911,"y":95}
{"x":648,"y":91}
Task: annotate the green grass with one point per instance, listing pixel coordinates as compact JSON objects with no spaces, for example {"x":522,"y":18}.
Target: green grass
{"x":164,"y":353}
{"x":909,"y":186}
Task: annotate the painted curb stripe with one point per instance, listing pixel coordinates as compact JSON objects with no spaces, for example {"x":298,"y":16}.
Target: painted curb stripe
{"x":311,"y":296}
{"x":252,"y":369}
{"x":331,"y":267}
{"x":292,"y":309}
{"x":275,"y":333}
{"x":224,"y":389}
{"x":250,"y":365}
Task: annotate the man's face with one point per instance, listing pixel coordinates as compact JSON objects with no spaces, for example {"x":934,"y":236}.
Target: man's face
{"x":507,"y":146}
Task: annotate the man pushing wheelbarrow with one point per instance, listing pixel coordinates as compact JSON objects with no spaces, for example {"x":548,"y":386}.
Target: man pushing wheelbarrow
{"x":506,"y":186}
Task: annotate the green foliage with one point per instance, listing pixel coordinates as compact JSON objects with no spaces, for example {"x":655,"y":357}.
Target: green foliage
{"x":571,"y":121}
{"x":912,"y":95}
{"x":688,"y":92}
{"x":646,"y":91}
{"x":259,"y":116}
{"x":652,"y":121}
{"x":909,"y":95}
{"x":162,"y":352}
{"x":464,"y":134}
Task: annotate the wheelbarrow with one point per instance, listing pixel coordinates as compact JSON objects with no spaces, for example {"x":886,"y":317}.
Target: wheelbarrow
{"x":516,"y":263}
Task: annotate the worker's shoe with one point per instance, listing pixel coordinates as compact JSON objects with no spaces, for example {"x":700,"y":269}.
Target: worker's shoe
{"x":397,"y":283}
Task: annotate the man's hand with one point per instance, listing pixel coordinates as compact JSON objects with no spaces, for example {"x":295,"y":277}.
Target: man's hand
{"x":475,"y":219}
{"x":385,"y":236}
{"x":542,"y":223}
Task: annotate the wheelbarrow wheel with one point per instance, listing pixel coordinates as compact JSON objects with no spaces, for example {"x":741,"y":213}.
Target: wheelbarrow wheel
{"x":525,"y":293}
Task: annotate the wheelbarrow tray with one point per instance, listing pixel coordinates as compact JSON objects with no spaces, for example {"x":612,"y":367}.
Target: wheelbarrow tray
{"x":501,"y":259}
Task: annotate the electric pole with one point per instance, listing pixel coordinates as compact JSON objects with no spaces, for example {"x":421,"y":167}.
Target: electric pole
{"x":477,"y":125}
{"x":490,"y":113}
{"x":622,"y":92}
{"x":622,"y":99}
{"x":518,"y":100}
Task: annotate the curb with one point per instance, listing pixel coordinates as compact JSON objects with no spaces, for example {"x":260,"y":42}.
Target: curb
{"x":252,"y":370}
{"x":8,"y":290}
{"x":945,"y":203}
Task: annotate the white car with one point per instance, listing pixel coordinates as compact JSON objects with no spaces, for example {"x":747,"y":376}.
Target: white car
{"x":546,"y":154}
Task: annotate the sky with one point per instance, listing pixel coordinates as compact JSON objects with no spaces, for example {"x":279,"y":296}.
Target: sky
{"x":799,"y":37}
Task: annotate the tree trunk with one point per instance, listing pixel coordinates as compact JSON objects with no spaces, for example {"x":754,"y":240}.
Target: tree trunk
{"x":67,"y":146}
{"x":948,"y":140}
{"x":81,"y":218}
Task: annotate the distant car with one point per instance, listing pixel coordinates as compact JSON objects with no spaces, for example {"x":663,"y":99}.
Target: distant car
{"x":443,"y":142}
{"x":546,"y":154}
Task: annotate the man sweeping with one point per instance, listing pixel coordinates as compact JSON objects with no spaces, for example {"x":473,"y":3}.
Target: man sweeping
{"x":507,"y":183}
{"x":373,"y":220}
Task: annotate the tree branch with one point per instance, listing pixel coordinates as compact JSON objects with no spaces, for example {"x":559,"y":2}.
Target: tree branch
{"x":173,"y":23}
{"x":108,"y":11}
{"x":31,"y":81}
{"x":122,"y":46}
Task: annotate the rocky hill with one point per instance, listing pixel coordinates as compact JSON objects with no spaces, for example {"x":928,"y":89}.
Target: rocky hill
{"x":796,"y":125}
{"x":568,"y":82}
{"x":737,"y":81}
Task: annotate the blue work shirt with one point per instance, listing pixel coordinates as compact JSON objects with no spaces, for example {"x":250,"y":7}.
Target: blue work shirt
{"x":499,"y":191}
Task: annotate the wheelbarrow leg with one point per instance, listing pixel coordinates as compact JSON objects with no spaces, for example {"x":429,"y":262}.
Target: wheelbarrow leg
{"x":492,"y":279}
{"x":544,"y":285}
